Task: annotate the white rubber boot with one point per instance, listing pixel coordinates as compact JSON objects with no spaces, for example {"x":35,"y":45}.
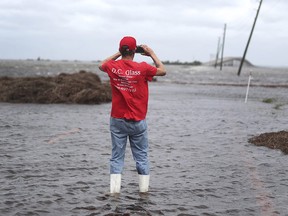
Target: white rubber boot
{"x":115,"y":183}
{"x":144,"y":183}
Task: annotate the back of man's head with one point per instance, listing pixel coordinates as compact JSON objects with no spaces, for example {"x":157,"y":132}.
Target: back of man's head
{"x":127,"y":46}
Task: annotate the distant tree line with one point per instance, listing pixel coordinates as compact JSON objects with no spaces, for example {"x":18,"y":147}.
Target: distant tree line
{"x":194,"y":63}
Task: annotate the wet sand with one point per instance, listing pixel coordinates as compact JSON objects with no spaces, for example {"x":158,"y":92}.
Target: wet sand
{"x":55,"y":158}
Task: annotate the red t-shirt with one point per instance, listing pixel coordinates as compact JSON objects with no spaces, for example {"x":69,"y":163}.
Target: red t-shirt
{"x":129,"y":83}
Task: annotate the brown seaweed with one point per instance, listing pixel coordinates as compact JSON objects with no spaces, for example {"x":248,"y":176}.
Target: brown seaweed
{"x":273,"y":140}
{"x":80,"y":88}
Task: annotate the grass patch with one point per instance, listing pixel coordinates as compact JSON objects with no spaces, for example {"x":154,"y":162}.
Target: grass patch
{"x":278,"y":106}
{"x":269,"y":100}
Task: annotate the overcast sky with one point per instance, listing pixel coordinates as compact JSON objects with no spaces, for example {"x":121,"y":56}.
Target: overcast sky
{"x":184,"y":30}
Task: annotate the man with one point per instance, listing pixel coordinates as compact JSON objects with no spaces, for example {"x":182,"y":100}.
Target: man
{"x":129,"y":84}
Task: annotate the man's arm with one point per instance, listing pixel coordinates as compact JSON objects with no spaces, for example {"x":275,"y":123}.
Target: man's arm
{"x":113,"y":57}
{"x":161,"y":71}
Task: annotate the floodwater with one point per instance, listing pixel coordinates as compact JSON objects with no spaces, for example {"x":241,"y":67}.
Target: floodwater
{"x":54,"y":159}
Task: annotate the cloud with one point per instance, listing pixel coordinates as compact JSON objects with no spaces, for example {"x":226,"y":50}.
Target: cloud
{"x":178,"y":30}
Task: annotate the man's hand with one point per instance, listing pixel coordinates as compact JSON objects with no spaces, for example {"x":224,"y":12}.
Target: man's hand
{"x":148,"y":51}
{"x":159,"y":65}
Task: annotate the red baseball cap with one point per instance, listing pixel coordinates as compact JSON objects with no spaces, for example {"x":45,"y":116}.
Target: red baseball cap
{"x":128,"y":41}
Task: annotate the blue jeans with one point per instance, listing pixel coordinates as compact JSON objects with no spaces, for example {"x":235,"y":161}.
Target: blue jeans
{"x":136,"y":131}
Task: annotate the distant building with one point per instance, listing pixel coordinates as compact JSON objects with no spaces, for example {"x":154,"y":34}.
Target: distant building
{"x":230,"y":62}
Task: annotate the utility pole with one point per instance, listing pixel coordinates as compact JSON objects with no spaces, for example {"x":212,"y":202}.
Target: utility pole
{"x":244,"y":55}
{"x":217,"y":52}
{"x":223,"y":43}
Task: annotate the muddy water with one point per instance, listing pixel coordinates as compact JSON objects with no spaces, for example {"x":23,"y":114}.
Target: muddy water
{"x":54,"y":159}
